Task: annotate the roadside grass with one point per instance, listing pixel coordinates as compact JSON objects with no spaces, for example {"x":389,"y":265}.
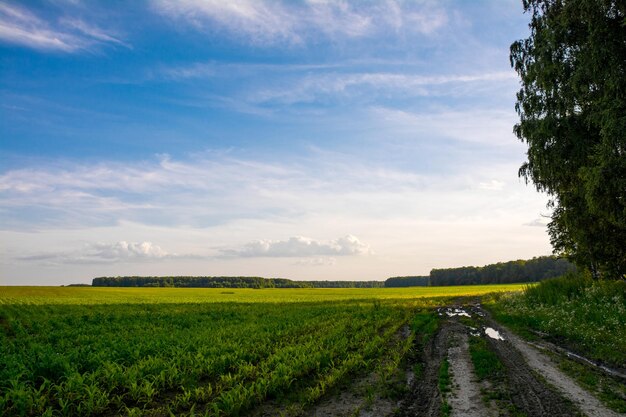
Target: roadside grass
{"x":424,"y":325}
{"x":610,"y":392}
{"x":445,"y":386}
{"x":486,"y":362}
{"x":488,"y":368}
{"x":575,"y":311}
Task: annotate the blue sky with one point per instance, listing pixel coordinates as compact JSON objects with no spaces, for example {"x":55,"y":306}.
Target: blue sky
{"x":304,"y":139}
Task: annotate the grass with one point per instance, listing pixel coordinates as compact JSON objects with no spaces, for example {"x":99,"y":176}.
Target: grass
{"x":445,"y":386}
{"x":611,"y":392}
{"x":580,"y":314}
{"x":584,"y":315}
{"x":487,"y":365}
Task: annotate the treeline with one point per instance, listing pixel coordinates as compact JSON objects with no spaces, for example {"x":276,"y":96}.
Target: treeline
{"x":532,"y":270}
{"x":417,"y":281}
{"x":227,"y":282}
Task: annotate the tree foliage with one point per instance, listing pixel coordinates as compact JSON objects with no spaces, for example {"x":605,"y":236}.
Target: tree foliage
{"x":226,"y":282}
{"x":572,"y":108}
{"x":408,"y":281}
{"x":532,"y":270}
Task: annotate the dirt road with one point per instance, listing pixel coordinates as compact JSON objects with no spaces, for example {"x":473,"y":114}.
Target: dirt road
{"x":532,"y":384}
{"x":528,"y":382}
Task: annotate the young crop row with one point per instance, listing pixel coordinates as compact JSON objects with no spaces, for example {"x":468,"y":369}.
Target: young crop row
{"x":103,"y":295}
{"x":212,"y":359}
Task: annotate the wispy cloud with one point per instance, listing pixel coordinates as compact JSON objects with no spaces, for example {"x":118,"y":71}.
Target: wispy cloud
{"x":221,"y":188}
{"x":215,"y":68}
{"x":300,"y":246}
{"x":266,"y":88}
{"x":478,"y":125}
{"x":316,"y":262}
{"x":20,"y":26}
{"x":97,"y":253}
{"x":538,"y":222}
{"x":311,"y":88}
{"x":271,"y":22}
{"x":492,"y":185}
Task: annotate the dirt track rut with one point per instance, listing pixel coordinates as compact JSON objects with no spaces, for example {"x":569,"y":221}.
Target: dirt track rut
{"x":542,"y":364}
{"x":529,"y":392}
{"x":535,"y":386}
{"x":465,"y":398}
{"x":424,"y":398}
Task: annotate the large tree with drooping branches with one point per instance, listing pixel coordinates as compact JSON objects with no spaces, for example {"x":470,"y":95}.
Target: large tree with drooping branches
{"x":572,"y":109}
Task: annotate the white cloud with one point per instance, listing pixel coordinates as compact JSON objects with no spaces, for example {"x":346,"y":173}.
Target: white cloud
{"x":93,"y":32}
{"x":493,"y":185}
{"x":217,"y":189}
{"x":20,"y":26}
{"x":300,"y":246}
{"x":270,"y":22}
{"x":538,"y":222}
{"x":481,"y":126}
{"x":103,"y":253}
{"x":316,"y":262}
{"x":311,"y":88}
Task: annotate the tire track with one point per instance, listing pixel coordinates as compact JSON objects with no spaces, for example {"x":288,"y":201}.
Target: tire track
{"x":540,"y":362}
{"x":465,"y":399}
{"x":424,"y":398}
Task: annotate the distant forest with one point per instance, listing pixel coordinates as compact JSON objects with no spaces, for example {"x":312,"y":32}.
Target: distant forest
{"x":227,"y":282}
{"x":531,"y":270}
{"x":411,"y":281}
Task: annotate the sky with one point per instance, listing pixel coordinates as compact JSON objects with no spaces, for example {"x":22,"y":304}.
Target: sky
{"x":311,"y":139}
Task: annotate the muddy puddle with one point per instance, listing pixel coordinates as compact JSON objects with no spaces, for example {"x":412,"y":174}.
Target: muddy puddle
{"x":465,"y":398}
{"x":493,"y":333}
{"x":453,"y":312}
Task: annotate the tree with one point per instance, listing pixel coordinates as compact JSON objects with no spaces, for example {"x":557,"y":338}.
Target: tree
{"x":572,"y":108}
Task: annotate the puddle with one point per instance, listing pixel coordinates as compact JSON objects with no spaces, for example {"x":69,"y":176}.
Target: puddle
{"x":607,"y":370}
{"x":493,"y":333}
{"x":457,"y":312}
{"x":575,"y":356}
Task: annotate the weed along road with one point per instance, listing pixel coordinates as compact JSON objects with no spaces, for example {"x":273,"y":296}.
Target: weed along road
{"x":288,"y":352}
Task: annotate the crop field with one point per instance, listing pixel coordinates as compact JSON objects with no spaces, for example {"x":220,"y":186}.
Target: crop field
{"x":215,"y":352}
{"x":117,"y":295}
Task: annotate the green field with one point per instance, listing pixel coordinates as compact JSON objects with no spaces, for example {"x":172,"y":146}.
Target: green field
{"x":109,"y":295}
{"x":163,"y":351}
